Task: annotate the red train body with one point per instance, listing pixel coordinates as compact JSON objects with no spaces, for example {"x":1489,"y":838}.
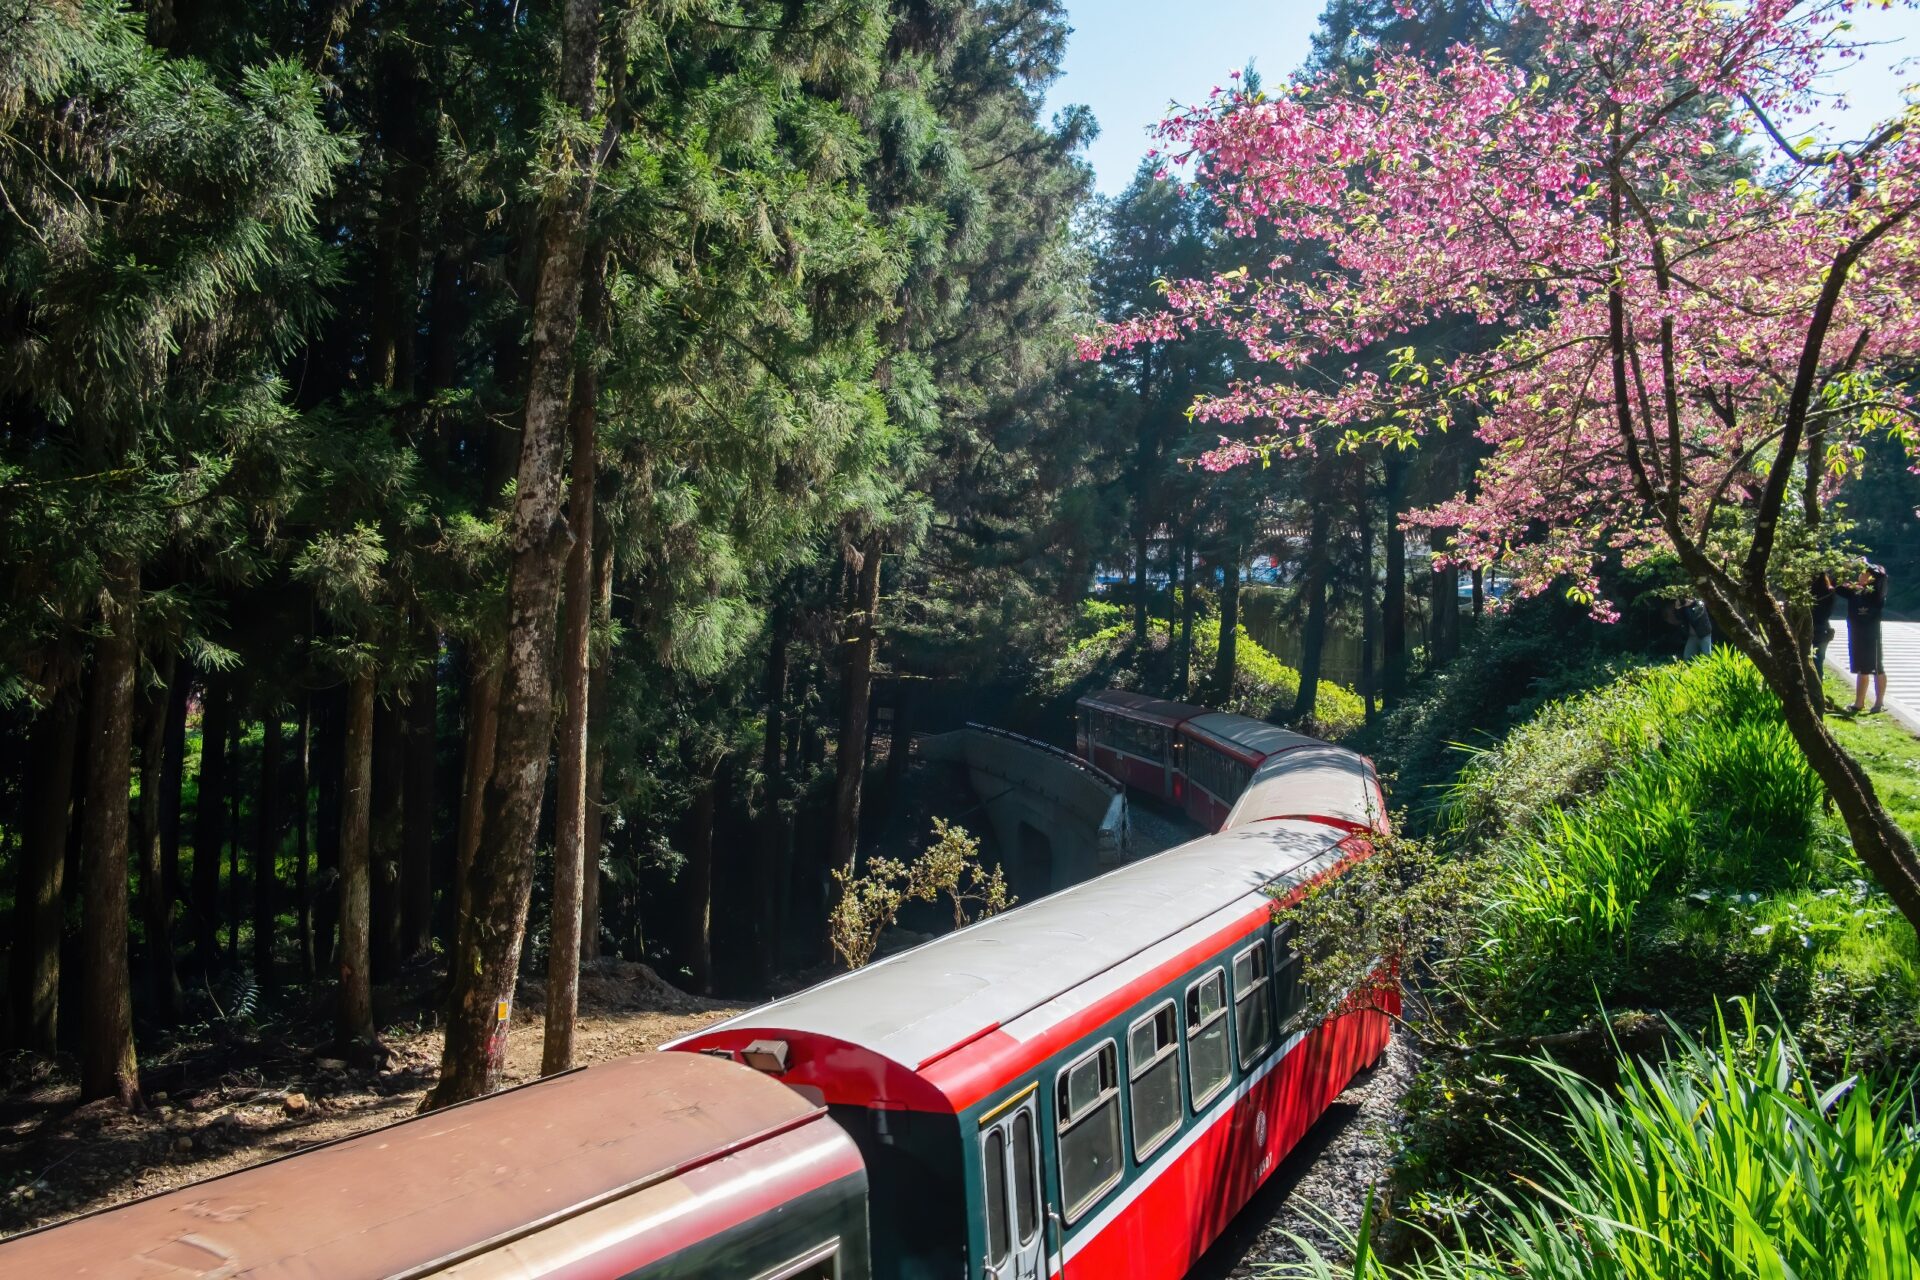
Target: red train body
{"x":657,"y":1167}
{"x":1090,"y":1085}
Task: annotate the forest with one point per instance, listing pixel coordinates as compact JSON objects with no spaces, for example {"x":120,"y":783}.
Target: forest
{"x":492,"y":489}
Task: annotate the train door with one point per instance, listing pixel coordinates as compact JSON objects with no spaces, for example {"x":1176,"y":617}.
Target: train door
{"x":1010,"y":1160}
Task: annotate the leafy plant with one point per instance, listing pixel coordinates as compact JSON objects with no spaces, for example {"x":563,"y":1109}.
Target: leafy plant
{"x":950,"y":867}
{"x":1727,"y":1159}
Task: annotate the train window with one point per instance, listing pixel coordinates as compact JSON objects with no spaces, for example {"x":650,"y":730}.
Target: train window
{"x":1207,"y":1064}
{"x":1153,"y":1074}
{"x":822,"y":1263}
{"x":994,"y":1158}
{"x":1251,"y":1011}
{"x":1290,"y":991}
{"x":1088,"y":1097}
{"x":1026,"y":1190}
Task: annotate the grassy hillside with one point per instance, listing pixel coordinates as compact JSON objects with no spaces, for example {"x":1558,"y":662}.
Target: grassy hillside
{"x":1609,"y":877}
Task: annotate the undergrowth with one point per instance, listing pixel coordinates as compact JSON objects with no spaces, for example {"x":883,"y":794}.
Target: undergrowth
{"x":1727,"y":1158}
{"x":1652,"y":847}
{"x":1105,"y":655}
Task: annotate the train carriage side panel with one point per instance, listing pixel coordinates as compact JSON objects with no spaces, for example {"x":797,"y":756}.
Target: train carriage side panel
{"x":988,"y":1018}
{"x":604,"y":1172}
{"x":1131,"y":736}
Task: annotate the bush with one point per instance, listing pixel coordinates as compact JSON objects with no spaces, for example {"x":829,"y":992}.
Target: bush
{"x":1725,"y":1160}
{"x":1657,"y":843}
{"x":1510,"y":666}
{"x":1264,"y":687}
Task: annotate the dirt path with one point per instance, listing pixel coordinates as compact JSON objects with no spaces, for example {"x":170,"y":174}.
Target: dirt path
{"x":237,"y":1100}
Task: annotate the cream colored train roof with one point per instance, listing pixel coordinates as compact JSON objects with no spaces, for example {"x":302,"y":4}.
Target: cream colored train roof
{"x":1254,"y":735}
{"x":1318,"y":779}
{"x":916,"y":1006}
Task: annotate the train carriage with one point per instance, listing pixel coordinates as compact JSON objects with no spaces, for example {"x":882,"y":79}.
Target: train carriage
{"x":1217,"y":755}
{"x":1330,"y":783}
{"x":1090,"y":1085}
{"x":655,"y":1167}
{"x":1132,"y":737}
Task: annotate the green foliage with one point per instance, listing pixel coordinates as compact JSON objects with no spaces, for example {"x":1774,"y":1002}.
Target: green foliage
{"x":1702,"y":784}
{"x":1656,"y":843}
{"x":1264,"y":687}
{"x":1728,"y":1158}
{"x":949,"y":868}
{"x":1513,"y":664}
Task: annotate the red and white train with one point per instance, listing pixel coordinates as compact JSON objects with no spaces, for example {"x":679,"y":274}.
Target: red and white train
{"x":1225,"y":770}
{"x":1090,"y":1085}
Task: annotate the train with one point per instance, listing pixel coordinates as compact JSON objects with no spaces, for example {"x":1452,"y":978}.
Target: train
{"x":1089,"y":1085}
{"x":1225,"y":770}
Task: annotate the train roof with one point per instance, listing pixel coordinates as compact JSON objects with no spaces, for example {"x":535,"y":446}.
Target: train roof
{"x":916,"y":1007}
{"x":1327,"y":782}
{"x":1253,"y":737}
{"x":1142,"y":707}
{"x":437,"y":1188}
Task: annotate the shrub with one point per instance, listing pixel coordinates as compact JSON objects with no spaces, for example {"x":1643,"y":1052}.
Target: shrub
{"x":1263,"y":687}
{"x":870,"y":902}
{"x":1725,"y":1160}
{"x":1695,"y":780}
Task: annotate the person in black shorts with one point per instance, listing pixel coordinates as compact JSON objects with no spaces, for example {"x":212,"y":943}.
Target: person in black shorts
{"x":1866,"y":598}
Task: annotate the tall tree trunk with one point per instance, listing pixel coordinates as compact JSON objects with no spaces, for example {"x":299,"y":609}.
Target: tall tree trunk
{"x":40,"y":902}
{"x":156,"y":903}
{"x":899,"y":743}
{"x":303,"y":789}
{"x":266,"y":849}
{"x":482,"y":727}
{"x":173,"y":769}
{"x":858,"y":646}
{"x":389,"y":755}
{"x":1313,"y":638}
{"x":570,"y":782}
{"x":1479,"y":593}
{"x":330,"y":772}
{"x":699,"y":873}
{"x":1393,"y":602}
{"x":1369,"y":610}
{"x":1141,"y":546}
{"x":1187,"y":607}
{"x":210,"y":819}
{"x":1225,"y":658}
{"x":770,"y":867}
{"x":487,"y":956}
{"x":239,"y":731}
{"x":1444,"y":633}
{"x":416,"y":823}
{"x":108,"y":1068}
{"x":353,"y":1024}
{"x":596,"y":750}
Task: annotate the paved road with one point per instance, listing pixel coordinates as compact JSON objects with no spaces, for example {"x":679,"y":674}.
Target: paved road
{"x":1901,"y":640}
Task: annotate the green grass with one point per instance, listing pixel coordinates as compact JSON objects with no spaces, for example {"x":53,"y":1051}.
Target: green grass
{"x":1676,"y":780}
{"x":1659,"y":845}
{"x":1263,"y":687}
{"x":1728,"y":1159}
{"x":1890,"y":754}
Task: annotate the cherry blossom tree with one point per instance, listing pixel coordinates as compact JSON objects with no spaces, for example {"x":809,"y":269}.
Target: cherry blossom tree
{"x":1691,"y":315}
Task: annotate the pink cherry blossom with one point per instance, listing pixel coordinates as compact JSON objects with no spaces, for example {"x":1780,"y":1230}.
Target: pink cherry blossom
{"x":1636,"y":174}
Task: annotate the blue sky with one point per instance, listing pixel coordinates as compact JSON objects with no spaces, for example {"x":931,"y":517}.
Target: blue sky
{"x":1127,"y":59}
